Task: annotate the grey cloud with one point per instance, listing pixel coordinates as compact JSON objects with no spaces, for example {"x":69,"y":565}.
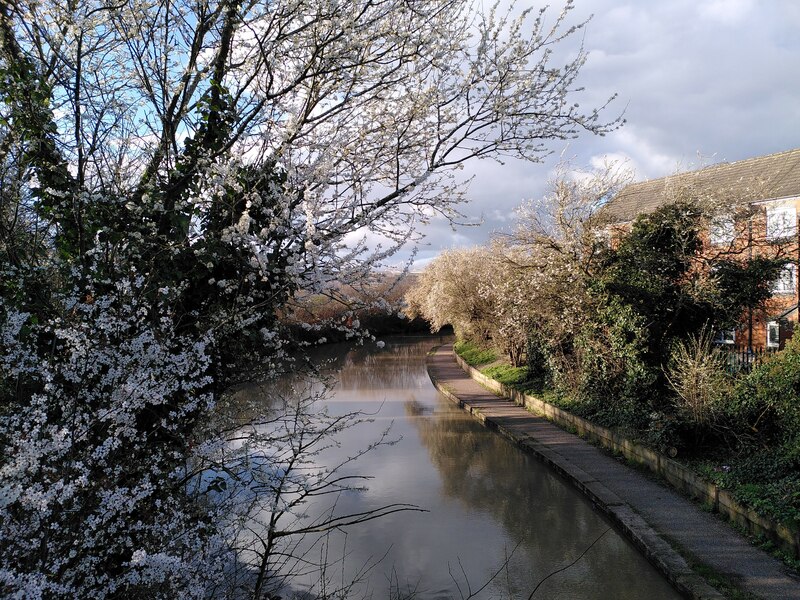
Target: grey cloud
{"x":699,"y":82}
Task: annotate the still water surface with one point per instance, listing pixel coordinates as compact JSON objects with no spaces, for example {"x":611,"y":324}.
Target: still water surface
{"x":488,"y":502}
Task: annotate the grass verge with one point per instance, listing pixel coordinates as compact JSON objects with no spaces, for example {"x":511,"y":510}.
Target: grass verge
{"x":474,"y":354}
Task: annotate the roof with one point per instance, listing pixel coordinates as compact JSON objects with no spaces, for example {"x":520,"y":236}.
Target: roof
{"x":762,"y":178}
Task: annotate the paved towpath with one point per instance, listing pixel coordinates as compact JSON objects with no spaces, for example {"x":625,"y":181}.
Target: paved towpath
{"x":657,"y":519}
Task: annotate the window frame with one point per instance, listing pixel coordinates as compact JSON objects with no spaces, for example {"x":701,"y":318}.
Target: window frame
{"x":725,"y":337}
{"x":722,"y":231}
{"x":779,"y":286}
{"x":776,"y":326}
{"x":788,"y":226}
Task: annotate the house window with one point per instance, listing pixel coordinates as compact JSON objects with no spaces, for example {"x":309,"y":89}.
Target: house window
{"x":773,"y":334}
{"x":786,"y":281}
{"x":722,"y":231}
{"x":725,"y":337}
{"x":781,"y":222}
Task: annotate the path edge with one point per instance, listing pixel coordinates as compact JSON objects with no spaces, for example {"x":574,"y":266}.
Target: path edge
{"x":680,"y":477}
{"x":658,"y":551}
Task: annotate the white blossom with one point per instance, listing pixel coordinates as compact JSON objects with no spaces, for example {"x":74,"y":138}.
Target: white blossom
{"x":176,"y":176}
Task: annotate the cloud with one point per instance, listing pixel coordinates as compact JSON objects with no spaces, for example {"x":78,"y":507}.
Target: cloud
{"x":645,"y":159}
{"x":725,"y":11}
{"x":699,"y":83}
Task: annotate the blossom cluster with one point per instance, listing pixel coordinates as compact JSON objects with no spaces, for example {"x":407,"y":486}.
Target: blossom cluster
{"x":173,"y":176}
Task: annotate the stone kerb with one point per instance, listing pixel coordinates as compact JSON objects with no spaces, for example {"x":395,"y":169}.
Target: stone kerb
{"x":677,"y":475}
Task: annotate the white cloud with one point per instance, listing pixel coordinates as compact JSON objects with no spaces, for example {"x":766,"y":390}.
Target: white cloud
{"x":725,"y":11}
{"x":699,"y":82}
{"x":646,"y":160}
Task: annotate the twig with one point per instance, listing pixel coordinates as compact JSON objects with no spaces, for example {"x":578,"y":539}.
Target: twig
{"x":569,"y":565}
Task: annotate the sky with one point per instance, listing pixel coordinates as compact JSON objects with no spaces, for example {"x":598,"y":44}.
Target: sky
{"x":699,"y":81}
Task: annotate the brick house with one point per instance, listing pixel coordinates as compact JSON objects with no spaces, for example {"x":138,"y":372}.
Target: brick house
{"x":756,"y":203}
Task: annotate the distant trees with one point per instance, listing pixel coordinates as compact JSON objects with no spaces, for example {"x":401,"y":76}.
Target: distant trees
{"x":451,"y":291}
{"x":485,"y":293}
{"x":172,"y":174}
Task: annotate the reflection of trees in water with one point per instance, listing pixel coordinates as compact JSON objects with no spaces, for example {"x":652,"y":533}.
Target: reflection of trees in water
{"x":397,"y":363}
{"x":537,"y":509}
{"x":395,"y":366}
{"x":346,"y":366}
{"x":484,"y":473}
{"x":489,"y":474}
{"x":259,"y":400}
{"x":415,"y":408}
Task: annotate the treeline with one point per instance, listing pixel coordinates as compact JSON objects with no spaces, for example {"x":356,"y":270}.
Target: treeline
{"x":620,"y":331}
{"x":371,"y":306}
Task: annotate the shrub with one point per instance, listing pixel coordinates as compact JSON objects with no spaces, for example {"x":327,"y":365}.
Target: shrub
{"x":536,"y":355}
{"x":766,"y":403}
{"x":697,"y":374}
{"x":609,"y":360}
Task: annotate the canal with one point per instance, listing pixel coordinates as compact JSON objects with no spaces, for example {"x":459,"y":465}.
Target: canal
{"x":495,"y":516}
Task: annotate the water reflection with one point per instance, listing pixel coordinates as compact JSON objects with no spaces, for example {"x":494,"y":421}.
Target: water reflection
{"x":486,"y":498}
{"x":395,"y":366}
{"x":545,"y":519}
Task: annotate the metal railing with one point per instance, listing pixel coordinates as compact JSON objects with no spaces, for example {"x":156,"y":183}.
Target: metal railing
{"x":745,"y":359}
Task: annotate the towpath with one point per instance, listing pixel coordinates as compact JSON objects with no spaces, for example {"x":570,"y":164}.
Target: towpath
{"x":673,"y":532}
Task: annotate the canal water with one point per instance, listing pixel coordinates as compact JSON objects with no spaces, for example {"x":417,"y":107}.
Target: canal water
{"x":495,"y":516}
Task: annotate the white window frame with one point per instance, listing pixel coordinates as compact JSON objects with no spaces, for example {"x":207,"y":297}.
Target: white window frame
{"x":776,"y":327}
{"x":786,"y":283}
{"x":781,"y":221}
{"x":722,"y":231}
{"x":725,"y":337}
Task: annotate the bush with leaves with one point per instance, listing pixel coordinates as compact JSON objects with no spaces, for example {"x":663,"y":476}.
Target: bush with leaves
{"x":659,"y":271}
{"x":653,"y":271}
{"x":766,"y":403}
{"x":606,"y":371}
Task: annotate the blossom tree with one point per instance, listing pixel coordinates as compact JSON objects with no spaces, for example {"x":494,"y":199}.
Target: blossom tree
{"x":559,"y":241}
{"x":172,"y":174}
{"x":532,"y":282}
{"x":520,"y":298}
{"x":485,"y":292}
{"x":451,"y":291}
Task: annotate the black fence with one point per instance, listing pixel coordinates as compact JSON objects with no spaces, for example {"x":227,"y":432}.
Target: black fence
{"x":744,"y":359}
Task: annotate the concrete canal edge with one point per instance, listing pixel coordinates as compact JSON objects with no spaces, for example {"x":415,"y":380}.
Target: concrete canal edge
{"x":678,"y":476}
{"x":658,"y":551}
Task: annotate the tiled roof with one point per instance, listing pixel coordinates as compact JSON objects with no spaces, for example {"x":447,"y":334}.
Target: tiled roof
{"x":750,"y":180}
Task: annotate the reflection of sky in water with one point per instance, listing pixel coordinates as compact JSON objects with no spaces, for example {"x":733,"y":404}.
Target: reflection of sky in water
{"x":484,"y":496}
